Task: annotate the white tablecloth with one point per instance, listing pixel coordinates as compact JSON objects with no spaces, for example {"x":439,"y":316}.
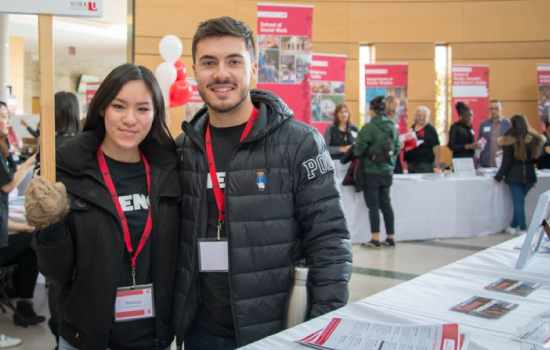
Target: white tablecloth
{"x":444,"y":208}
{"x":427,"y":299}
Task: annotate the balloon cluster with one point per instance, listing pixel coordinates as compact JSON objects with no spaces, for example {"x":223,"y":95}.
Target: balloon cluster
{"x":171,"y":73}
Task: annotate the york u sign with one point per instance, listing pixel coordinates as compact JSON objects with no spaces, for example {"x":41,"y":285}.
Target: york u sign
{"x":67,"y":8}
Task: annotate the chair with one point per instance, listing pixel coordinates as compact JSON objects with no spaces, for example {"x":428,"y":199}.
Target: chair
{"x":6,"y":274}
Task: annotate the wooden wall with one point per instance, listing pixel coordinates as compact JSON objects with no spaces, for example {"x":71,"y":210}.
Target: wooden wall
{"x":509,"y":35}
{"x":17,"y":69}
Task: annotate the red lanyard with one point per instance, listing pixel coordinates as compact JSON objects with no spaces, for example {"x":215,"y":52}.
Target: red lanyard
{"x":148,"y":226}
{"x":218,"y":193}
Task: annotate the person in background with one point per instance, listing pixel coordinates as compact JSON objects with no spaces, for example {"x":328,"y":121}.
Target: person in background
{"x":340,"y":135}
{"x":544,"y":160}
{"x":378,"y":176}
{"x":10,"y":178}
{"x":67,"y":117}
{"x":33,"y":132}
{"x":461,"y":135}
{"x":522,"y":145}
{"x":15,"y":143}
{"x":392,"y":112}
{"x":111,"y":222}
{"x":491,"y":129}
{"x":424,"y":158}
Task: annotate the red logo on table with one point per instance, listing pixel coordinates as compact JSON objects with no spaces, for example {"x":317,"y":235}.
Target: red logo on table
{"x":92,"y":6}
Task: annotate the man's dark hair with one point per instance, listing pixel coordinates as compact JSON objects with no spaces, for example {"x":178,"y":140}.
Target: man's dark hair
{"x":224,"y":26}
{"x":496,"y":101}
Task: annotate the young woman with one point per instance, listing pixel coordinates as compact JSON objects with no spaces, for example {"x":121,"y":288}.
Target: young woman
{"x":425,"y":157}
{"x":461,"y":135}
{"x":340,"y":135}
{"x":114,"y":252}
{"x":67,"y":117}
{"x":521,"y":146}
{"x":10,"y":178}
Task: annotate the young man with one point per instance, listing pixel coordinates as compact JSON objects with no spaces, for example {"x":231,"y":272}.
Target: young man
{"x":491,"y":129}
{"x":259,"y":195}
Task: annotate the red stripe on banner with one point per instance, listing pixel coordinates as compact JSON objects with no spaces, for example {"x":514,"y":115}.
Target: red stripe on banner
{"x":129,"y":293}
{"x":130,"y":314}
{"x":328,"y":331}
{"x":450,"y":331}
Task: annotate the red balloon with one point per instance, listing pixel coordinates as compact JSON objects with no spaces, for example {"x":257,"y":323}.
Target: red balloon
{"x":181,"y":69}
{"x":180,"y":93}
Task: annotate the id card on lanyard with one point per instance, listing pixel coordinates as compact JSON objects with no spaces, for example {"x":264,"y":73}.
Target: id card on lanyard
{"x":214,"y":252}
{"x":132,"y":302}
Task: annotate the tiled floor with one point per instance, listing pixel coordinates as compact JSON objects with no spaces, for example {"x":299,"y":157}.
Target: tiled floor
{"x":374,"y":271}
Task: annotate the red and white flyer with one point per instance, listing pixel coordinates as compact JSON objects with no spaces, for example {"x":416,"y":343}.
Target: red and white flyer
{"x":470,"y":84}
{"x":543,"y":79}
{"x":328,"y":88}
{"x":284,"y":54}
{"x":342,"y":334}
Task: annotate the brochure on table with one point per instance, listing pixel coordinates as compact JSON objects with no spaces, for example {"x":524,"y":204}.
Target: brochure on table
{"x":464,"y":167}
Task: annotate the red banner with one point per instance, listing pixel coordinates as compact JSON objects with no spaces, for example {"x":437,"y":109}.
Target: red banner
{"x":387,"y":79}
{"x":470,"y":84}
{"x":328,"y":76}
{"x":543,"y":71}
{"x":284,"y":54}
{"x":195,"y":103}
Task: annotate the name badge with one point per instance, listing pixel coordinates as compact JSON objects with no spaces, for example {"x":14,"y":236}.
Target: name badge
{"x":134,"y":303}
{"x":487,"y":129}
{"x":472,"y":131}
{"x":354,"y":134}
{"x":213,"y":255}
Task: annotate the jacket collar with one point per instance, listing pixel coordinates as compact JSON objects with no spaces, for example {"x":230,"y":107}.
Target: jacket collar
{"x":272,"y":112}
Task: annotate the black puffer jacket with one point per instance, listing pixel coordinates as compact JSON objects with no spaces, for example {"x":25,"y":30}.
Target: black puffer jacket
{"x":299,"y":215}
{"x":83,"y":251}
{"x":515,"y":171}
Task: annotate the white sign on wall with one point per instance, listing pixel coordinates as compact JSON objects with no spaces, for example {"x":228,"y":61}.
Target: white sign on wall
{"x":68,"y":8}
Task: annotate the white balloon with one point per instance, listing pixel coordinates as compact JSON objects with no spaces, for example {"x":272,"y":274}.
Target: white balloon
{"x":170,"y":48}
{"x":166,"y":76}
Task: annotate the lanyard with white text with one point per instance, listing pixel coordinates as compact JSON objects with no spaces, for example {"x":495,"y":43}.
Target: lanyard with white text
{"x":218,"y":193}
{"x":148,"y":226}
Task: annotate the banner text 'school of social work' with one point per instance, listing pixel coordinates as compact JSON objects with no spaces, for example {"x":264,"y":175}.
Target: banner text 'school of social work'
{"x":470,"y":84}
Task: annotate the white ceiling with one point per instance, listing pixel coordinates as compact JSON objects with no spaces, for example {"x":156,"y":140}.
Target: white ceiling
{"x":103,"y":38}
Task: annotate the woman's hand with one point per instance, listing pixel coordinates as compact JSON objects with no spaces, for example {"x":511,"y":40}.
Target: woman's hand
{"x":344,"y":149}
{"x":24,"y":123}
{"x":474,"y":145}
{"x":31,"y":160}
{"x":495,"y":181}
{"x":547,"y":149}
{"x":45,"y":204}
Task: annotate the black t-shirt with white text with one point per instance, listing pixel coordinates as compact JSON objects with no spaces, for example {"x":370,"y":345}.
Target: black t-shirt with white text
{"x":215,"y":314}
{"x":131,"y":186}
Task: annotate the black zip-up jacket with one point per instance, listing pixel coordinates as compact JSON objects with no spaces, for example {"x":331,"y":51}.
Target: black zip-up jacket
{"x":460,"y":135}
{"x":82,"y":252}
{"x":298,"y":215}
{"x":515,"y":171}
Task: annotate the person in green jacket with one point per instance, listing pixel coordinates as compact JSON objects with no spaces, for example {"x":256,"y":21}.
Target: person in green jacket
{"x":378,"y":176}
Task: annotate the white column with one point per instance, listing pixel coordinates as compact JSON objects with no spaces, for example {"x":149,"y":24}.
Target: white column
{"x":4,"y":57}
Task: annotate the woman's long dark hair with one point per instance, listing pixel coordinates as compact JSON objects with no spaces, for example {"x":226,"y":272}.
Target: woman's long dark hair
{"x":337,"y":110}
{"x":67,"y":114}
{"x":109,"y":89}
{"x":4,"y":148}
{"x":520,"y":130}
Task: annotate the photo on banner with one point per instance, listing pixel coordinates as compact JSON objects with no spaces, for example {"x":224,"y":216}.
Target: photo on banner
{"x":284,"y":54}
{"x":328,"y":87}
{"x":195,"y":103}
{"x":470,"y":84}
{"x":543,"y":72}
{"x":387,"y":79}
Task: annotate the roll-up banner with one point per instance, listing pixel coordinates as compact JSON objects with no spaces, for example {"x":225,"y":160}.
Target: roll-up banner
{"x":195,"y":103}
{"x":284,"y":54}
{"x":470,"y":84}
{"x":387,"y":79}
{"x":543,"y":72}
{"x":328,"y":87}
{"x":66,"y":8}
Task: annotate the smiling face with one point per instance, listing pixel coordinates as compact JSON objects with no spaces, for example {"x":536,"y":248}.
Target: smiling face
{"x":4,"y":121}
{"x":223,"y":71}
{"x":343,"y":115}
{"x":128,"y":119}
{"x":496,"y":110}
{"x":420,"y":117}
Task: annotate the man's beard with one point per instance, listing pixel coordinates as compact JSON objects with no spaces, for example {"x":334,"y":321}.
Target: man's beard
{"x":223,"y":108}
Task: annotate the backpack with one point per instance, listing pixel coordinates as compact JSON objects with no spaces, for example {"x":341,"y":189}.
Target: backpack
{"x":382,"y":150}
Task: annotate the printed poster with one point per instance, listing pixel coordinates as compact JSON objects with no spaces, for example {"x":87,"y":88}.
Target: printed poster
{"x":284,"y":54}
{"x":195,"y":103}
{"x":387,"y":79}
{"x":470,"y":84}
{"x":543,"y":72}
{"x":328,"y":87}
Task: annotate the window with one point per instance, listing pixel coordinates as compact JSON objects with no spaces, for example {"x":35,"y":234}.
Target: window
{"x":442,"y":115}
{"x":366,"y":56}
